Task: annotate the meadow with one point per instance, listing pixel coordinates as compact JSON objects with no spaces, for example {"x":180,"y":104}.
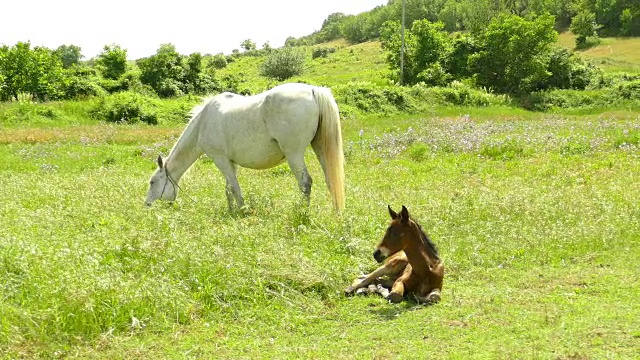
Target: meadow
{"x":536,"y":216}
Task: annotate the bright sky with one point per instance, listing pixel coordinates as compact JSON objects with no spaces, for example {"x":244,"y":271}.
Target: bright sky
{"x":141,"y":26}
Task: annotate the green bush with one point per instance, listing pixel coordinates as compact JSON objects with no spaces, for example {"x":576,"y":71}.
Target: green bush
{"x":82,"y":87}
{"x":284,"y":63}
{"x":628,"y":90}
{"x":459,"y":94}
{"x":126,"y":107}
{"x":322,"y":52}
{"x":565,"y":99}
{"x":569,"y":71}
{"x":368,"y":98}
{"x":218,"y":61}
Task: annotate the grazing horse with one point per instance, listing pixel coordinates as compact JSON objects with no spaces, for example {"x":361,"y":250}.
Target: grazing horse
{"x":412,"y":264}
{"x":259,"y":132}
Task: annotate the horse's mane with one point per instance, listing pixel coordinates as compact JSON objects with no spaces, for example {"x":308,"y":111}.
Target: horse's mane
{"x":426,"y":240}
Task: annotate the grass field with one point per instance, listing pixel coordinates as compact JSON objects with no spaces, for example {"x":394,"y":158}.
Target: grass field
{"x":612,"y":54}
{"x":536,"y":217}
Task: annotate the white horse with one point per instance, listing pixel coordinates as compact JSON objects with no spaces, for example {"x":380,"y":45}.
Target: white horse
{"x":259,"y":132}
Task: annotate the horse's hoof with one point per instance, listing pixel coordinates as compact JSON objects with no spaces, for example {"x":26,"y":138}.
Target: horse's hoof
{"x":362,"y":291}
{"x":434,"y":297}
{"x":349,"y":291}
{"x":394,"y":298}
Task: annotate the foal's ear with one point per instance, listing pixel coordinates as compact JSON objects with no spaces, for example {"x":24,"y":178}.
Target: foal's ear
{"x":404,"y":215}
{"x":160,"y":161}
{"x":394,"y":215}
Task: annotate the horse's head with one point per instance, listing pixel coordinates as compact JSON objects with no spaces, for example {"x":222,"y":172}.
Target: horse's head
{"x":161,"y":186}
{"x":396,"y":236}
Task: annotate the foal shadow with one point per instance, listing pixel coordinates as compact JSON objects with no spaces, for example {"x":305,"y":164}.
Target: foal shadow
{"x":388,"y":311}
{"x":391,"y":312}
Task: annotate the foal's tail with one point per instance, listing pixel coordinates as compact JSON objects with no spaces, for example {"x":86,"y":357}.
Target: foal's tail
{"x":327,"y":144}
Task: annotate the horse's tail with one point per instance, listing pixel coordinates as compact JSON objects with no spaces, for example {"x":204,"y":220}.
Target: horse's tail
{"x":327,"y":144}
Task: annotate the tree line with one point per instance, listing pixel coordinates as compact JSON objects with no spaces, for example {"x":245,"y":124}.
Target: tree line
{"x":607,"y":17}
{"x":512,"y":55}
{"x":54,"y":74}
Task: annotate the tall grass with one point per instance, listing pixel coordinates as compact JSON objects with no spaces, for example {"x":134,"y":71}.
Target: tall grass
{"x":536,"y":217}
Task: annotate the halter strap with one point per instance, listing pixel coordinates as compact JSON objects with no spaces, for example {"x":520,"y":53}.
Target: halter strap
{"x":175,"y":185}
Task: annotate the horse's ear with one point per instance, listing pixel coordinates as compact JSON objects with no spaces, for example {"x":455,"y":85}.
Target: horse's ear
{"x":394,"y":215}
{"x":160,"y":161}
{"x":404,"y":215}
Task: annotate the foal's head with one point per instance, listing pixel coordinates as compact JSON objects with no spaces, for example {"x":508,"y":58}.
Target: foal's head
{"x":161,"y":185}
{"x":402,"y":231}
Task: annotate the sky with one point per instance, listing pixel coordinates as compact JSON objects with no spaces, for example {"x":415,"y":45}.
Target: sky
{"x":141,"y":26}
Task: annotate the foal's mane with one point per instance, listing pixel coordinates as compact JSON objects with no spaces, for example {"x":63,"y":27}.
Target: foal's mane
{"x":426,"y":241}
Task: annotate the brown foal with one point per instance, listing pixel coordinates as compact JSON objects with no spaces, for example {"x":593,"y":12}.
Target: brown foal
{"x":412,"y":264}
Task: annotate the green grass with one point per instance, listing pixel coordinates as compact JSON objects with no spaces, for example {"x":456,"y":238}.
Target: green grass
{"x":612,"y":54}
{"x":360,"y":62}
{"x":535,"y":216}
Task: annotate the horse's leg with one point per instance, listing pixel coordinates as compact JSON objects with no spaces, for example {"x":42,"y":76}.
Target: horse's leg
{"x":299,"y":169}
{"x":397,"y":291}
{"x":432,"y":298}
{"x":394,"y":265}
{"x":232,"y":188}
{"x":404,"y":282}
{"x":360,"y":283}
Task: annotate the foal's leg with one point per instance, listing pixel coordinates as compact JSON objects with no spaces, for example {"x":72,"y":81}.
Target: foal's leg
{"x":360,"y":283}
{"x":232,"y":189}
{"x":393,"y":266}
{"x":432,"y":298}
{"x":299,"y":169}
{"x":397,"y":291}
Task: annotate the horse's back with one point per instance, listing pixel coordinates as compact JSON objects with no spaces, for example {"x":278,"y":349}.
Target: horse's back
{"x":258,"y":131}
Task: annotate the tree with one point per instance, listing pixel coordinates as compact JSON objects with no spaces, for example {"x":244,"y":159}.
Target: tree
{"x":331,"y":26}
{"x":164,"y":71}
{"x":283,"y":63}
{"x":626,"y":22}
{"x":426,"y":48}
{"x":112,"y":61}
{"x":36,"y":71}
{"x":248,"y":45}
{"x":514,"y":54}
{"x":69,"y":55}
{"x":583,"y":26}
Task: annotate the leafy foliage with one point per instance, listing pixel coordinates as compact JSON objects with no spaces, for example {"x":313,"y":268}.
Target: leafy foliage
{"x":284,"y":63}
{"x":36,"y":71}
{"x":584,"y":26}
{"x":69,"y":55}
{"x":112,"y":61}
{"x":514,"y":54}
{"x":322,"y":52}
{"x":248,"y":45}
{"x":170,"y":74}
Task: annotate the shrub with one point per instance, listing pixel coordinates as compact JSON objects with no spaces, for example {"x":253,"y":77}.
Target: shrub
{"x":513,"y":57}
{"x":283,"y":63}
{"x":126,"y":107}
{"x":368,"y":98}
{"x":569,"y":71}
{"x":584,"y":25}
{"x":112,"y":61}
{"x":79,"y":87}
{"x":628,"y":90}
{"x":218,"y":61}
{"x":322,"y":52}
{"x":545,"y":100}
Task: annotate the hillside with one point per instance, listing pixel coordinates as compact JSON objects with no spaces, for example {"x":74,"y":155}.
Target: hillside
{"x":612,"y":54}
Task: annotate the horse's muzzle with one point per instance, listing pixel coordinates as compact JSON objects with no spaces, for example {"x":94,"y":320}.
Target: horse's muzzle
{"x":378,"y":256}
